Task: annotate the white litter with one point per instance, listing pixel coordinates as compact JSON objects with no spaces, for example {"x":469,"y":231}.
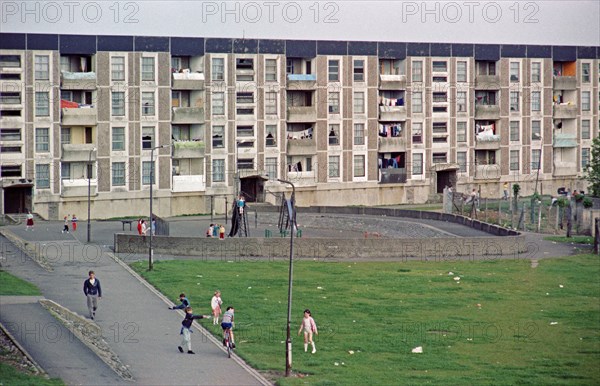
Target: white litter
{"x":417,"y":350}
{"x":457,"y":278}
{"x":450,"y":273}
{"x":336,"y":364}
{"x":560,"y":285}
{"x":350,"y":352}
{"x":553,"y":323}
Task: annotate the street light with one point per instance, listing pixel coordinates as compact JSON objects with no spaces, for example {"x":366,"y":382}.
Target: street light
{"x":150,"y":251}
{"x":288,"y":340}
{"x":89,"y":172}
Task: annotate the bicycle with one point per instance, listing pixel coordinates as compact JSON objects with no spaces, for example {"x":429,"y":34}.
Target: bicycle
{"x":228,"y":342}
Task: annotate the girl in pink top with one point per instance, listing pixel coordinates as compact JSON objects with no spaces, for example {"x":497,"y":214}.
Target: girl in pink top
{"x":309,"y":327}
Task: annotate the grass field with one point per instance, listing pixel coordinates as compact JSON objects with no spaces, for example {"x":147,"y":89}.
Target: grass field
{"x":575,"y":239}
{"x":12,"y":285}
{"x":482,"y":322}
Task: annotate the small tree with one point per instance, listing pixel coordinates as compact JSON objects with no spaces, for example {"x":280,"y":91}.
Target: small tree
{"x":516,"y":189}
{"x":592,"y":174}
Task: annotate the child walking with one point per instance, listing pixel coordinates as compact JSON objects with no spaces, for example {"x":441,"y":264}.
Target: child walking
{"x":186,"y":329}
{"x":29,"y":221}
{"x":309,"y":327}
{"x":66,"y":226}
{"x":74,"y":223}
{"x":215,"y":304}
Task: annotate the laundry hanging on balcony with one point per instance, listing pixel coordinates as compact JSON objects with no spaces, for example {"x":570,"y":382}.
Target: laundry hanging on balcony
{"x":486,"y":132}
{"x":64,"y":104}
{"x":308,"y":133}
{"x":383,"y":101}
{"x":390,"y":130}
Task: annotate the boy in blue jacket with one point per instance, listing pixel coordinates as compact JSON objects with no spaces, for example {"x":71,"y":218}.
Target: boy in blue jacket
{"x":186,"y":329}
{"x":93,"y":291}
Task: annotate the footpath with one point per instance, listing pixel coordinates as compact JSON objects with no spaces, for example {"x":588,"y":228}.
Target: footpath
{"x":133,"y":318}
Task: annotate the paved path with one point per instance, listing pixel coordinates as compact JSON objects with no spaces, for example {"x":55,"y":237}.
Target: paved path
{"x":134,"y":320}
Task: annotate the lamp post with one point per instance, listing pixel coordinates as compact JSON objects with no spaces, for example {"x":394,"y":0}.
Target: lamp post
{"x":288,"y":340}
{"x":89,"y":172}
{"x":150,"y":251}
{"x":237,"y":169}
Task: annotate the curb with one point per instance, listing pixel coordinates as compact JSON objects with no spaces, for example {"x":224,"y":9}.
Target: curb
{"x":22,"y":244}
{"x":36,"y":365}
{"x":259,"y":377}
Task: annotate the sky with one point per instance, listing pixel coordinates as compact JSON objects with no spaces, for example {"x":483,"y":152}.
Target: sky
{"x":510,"y":22}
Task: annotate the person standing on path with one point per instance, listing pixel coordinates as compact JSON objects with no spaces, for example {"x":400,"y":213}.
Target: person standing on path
{"x":215,"y":304}
{"x":66,"y":226}
{"x":74,"y":222}
{"x":309,"y":327}
{"x":186,"y":329}
{"x":93,"y":291}
{"x":222,"y":232}
{"x":29,"y":221}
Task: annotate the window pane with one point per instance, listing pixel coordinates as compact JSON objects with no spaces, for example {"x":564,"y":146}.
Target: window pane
{"x":461,"y":71}
{"x":334,"y":166}
{"x":417,"y":168}
{"x":218,"y":103}
{"x":148,"y":173}
{"x":118,"y":68}
{"x":271,"y":135}
{"x":359,"y":102}
{"x":417,"y":102}
{"x":148,"y":69}
{"x":334,"y":102}
{"x":218,"y":69}
{"x":218,"y":136}
{"x":271,"y":70}
{"x":42,"y":176}
{"x":359,"y":166}
{"x":461,"y":160}
{"x":42,"y":104}
{"x":334,"y":69}
{"x":118,"y":138}
{"x":148,"y":103}
{"x":271,"y":168}
{"x":514,"y":131}
{"x":359,"y":134}
{"x":118,"y":103}
{"x":118,"y":173}
{"x":218,"y":174}
{"x":42,"y":139}
{"x":359,"y":70}
{"x":147,"y":138}
{"x":417,"y":71}
{"x":514,"y":160}
{"x":42,"y":68}
{"x":461,"y":131}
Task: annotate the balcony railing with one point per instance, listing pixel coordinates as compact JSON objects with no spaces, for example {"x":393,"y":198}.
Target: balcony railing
{"x":191,"y":183}
{"x":392,"y":82}
{"x":78,"y":152}
{"x":565,"y":83}
{"x":487,"y":82}
{"x":78,"y":187}
{"x":78,"y":80}
{"x":301,"y":81}
{"x":392,"y":113}
{"x":84,"y":116}
{"x":562,"y":140}
{"x":188,"y":115}
{"x":487,"y":172}
{"x":188,"y":149}
{"x":187,"y":81}
{"x":301,"y":114}
{"x":392,"y":176}
{"x":564,"y":111}
{"x":303,"y":146}
{"x":392,"y":144}
{"x":487,"y":112}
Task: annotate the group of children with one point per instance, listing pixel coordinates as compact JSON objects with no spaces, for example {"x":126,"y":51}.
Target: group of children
{"x":142,"y":227}
{"x":308,"y":325}
{"x":216,"y":230}
{"x":73,"y":222}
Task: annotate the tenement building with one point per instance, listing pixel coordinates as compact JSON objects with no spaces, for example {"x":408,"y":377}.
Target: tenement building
{"x":104,"y":118}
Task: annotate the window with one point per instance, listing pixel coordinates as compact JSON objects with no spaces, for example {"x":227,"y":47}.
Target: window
{"x":536,"y":101}
{"x":585,"y":73}
{"x":514,"y":131}
{"x":334,"y":134}
{"x":148,"y":174}
{"x":147,"y":103}
{"x":118,"y":138}
{"x":10,"y":98}
{"x":536,"y":130}
{"x":485,"y":98}
{"x":218,"y":103}
{"x":218,"y":69}
{"x":42,"y":139}
{"x":461,"y":131}
{"x":514,"y":160}
{"x":244,"y":64}
{"x":218,"y":170}
{"x":359,"y":103}
{"x":10,"y":134}
{"x":271,"y":168}
{"x":118,"y":103}
{"x":585,"y":101}
{"x":417,"y":102}
{"x":417,"y":167}
{"x":439,"y":97}
{"x":118,"y":173}
{"x":535,"y":159}
{"x":334,"y":70}
{"x":514,"y":71}
{"x":10,"y":170}
{"x":42,"y":67}
{"x":218,"y":136}
{"x":585,"y":129}
{"x":417,"y":71}
{"x":359,"y":70}
{"x":65,"y":135}
{"x":439,"y":158}
{"x":439,"y":66}
{"x":439,"y":127}
{"x":359,"y":133}
{"x":148,"y":69}
{"x":271,"y":135}
{"x":271,"y":70}
{"x":147,"y":138}
{"x":461,"y":71}
{"x":334,"y":166}
{"x":180,"y":132}
{"x":65,"y":170}
{"x":334,"y":103}
{"x":514,"y":101}
{"x":536,"y":72}
{"x":440,"y":79}
{"x":42,"y":176}
{"x":245,"y":131}
{"x":486,"y":68}
{"x":461,"y":160}
{"x":42,"y":104}
{"x":461,"y":101}
{"x":118,"y":68}
{"x":417,"y":132}
{"x":271,"y":103}
{"x":359,"y":166}
{"x":10,"y":61}
{"x":585,"y":158}
{"x":244,"y":97}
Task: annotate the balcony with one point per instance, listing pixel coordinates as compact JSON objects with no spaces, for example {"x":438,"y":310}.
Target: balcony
{"x":188,"y":149}
{"x":392,"y":144}
{"x":565,"y":83}
{"x":78,"y":187}
{"x":490,"y":112}
{"x":78,"y":153}
{"x":193,"y":183}
{"x":188,"y":115}
{"x":487,"y":172}
{"x":564,"y":111}
{"x":564,"y":140}
{"x":301,"y":82}
{"x":564,"y":169}
{"x":303,"y":146}
{"x":487,"y":82}
{"x":392,"y":176}
{"x":392,"y":113}
{"x":302,"y":178}
{"x":298,"y":114}
{"x":83,"y":116}
{"x":392,"y":82}
{"x":78,"y":80}
{"x":187,"y":81}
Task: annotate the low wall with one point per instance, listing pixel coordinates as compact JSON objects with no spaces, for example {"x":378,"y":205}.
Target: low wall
{"x":510,"y":245}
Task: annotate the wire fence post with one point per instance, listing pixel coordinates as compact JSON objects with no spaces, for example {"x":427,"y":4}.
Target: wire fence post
{"x":597,"y":236}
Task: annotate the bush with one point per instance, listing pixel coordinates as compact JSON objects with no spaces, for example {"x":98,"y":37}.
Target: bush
{"x":587,"y":202}
{"x":562,"y":202}
{"x":516,"y":189}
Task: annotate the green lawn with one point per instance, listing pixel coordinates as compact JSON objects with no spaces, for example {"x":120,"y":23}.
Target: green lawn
{"x":503,"y":322}
{"x":12,"y":285}
{"x":575,"y":239}
{"x":10,"y":376}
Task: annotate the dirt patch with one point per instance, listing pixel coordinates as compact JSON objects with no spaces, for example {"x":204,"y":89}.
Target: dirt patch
{"x":11,"y":355}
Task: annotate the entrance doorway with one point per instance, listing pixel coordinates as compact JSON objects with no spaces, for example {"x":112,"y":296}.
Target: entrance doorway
{"x":253,"y":188}
{"x":17,"y":199}
{"x":445,"y":178}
